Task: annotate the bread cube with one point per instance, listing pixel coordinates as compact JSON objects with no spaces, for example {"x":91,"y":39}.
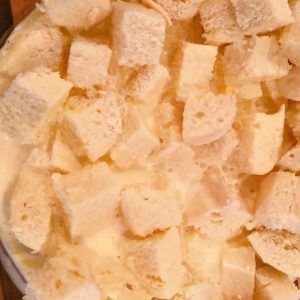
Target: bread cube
{"x":207,"y":119}
{"x":271,"y":284}
{"x":136,"y":143}
{"x":92,"y":124}
{"x":157,"y":263}
{"x":138,"y":34}
{"x":62,"y":157}
{"x":180,"y":10}
{"x":90,"y":197}
{"x":78,"y":14}
{"x":215,"y":210}
{"x":202,"y":258}
{"x":149,"y":84}
{"x":4,"y":83}
{"x":39,"y":158}
{"x":289,"y":40}
{"x":277,"y":202}
{"x":248,"y":91}
{"x":202,"y":291}
{"x":262,"y":136}
{"x":146,"y":210}
{"x":219,"y":22}
{"x":288,"y":85}
{"x":28,"y":103}
{"x":195,"y":65}
{"x":253,"y":60}
{"x":60,"y":278}
{"x":30,"y":209}
{"x":280,"y":249}
{"x":238,"y":272}
{"x":260,"y":16}
{"x":290,"y":161}
{"x":88,"y":63}
{"x":36,"y":42}
{"x":176,"y":160}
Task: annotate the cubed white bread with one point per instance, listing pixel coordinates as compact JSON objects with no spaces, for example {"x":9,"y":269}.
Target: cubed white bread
{"x":146,"y":209}
{"x":88,"y":63}
{"x":288,"y":85}
{"x":36,"y":42}
{"x":258,"y":16}
{"x":29,"y":102}
{"x":219,"y":22}
{"x":271,"y":87}
{"x":273,"y":285}
{"x":157,"y":263}
{"x":59,"y":278}
{"x":280,"y":249}
{"x":248,"y":91}
{"x":168,"y":118}
{"x":180,"y":10}
{"x":136,"y":143}
{"x":30,"y":209}
{"x":77,"y":14}
{"x":238,"y":272}
{"x":90,"y":197}
{"x":176,"y":160}
{"x":289,"y":39}
{"x":262,"y":137}
{"x":149,"y":84}
{"x":62,"y":157}
{"x":117,"y":282}
{"x":194,"y":69}
{"x":215,"y":210}
{"x":278,"y":202}
{"x":92,"y":124}
{"x":218,"y":152}
{"x":208,"y":118}
{"x":202,"y":258}
{"x":39,"y":158}
{"x":290,"y":161}
{"x":254,"y":59}
{"x":202,"y":291}
{"x":108,"y":242}
{"x":138,"y":34}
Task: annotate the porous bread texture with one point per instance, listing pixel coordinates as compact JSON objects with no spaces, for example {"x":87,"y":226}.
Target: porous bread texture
{"x":277,"y":205}
{"x":62,"y":157}
{"x":180,"y":10}
{"x":136,"y":143}
{"x":157,"y":263}
{"x":254,"y":59}
{"x":31,"y":209}
{"x":34,"y":43}
{"x":219,"y":22}
{"x":146,"y":209}
{"x":238,"y":272}
{"x":138,"y":34}
{"x":262,"y":137}
{"x":207,"y":119}
{"x":259,"y":16}
{"x":92,"y":124}
{"x":271,"y":284}
{"x":290,"y":161}
{"x":289,"y":38}
{"x":202,"y":290}
{"x":61,"y":278}
{"x":194,"y":68}
{"x":90,"y":198}
{"x":29,"y":102}
{"x":88,"y":63}
{"x":288,"y":86}
{"x":214,"y":209}
{"x":280,"y":249}
{"x":77,"y":14}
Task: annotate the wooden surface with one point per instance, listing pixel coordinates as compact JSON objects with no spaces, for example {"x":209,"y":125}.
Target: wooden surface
{"x":21,"y":8}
